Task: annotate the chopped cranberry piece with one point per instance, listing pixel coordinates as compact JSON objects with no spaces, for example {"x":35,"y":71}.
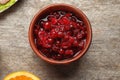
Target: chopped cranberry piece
{"x":60,"y":34}
{"x":76,"y":31}
{"x":73,"y":24}
{"x":50,"y":40}
{"x":53,"y":21}
{"x":83,"y":34}
{"x":69,"y":33}
{"x":53,"y":33}
{"x":81,"y":44}
{"x":55,"y":48}
{"x":75,"y":43}
{"x":65,"y":20}
{"x":67,"y":27}
{"x":68,"y":53}
{"x":66,"y":37}
{"x":66,"y":45}
{"x":41,"y":34}
{"x":80,"y":35}
{"x":68,"y":15}
{"x":57,"y":57}
{"x":61,"y":51}
{"x":46,"y":45}
{"x":71,"y":39}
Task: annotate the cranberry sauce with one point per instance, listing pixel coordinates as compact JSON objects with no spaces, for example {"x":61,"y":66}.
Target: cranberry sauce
{"x":60,"y":35}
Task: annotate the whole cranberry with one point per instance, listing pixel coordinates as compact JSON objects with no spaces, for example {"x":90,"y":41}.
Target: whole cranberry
{"x":47,"y":25}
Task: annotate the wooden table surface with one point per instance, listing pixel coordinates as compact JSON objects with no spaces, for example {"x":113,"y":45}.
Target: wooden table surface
{"x":101,"y":62}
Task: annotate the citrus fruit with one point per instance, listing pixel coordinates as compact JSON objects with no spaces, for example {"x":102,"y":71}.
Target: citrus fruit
{"x":21,"y":75}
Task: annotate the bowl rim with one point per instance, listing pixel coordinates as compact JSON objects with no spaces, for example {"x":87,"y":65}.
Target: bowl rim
{"x":36,"y":51}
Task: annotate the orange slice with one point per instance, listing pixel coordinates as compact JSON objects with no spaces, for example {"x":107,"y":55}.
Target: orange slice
{"x":21,"y":75}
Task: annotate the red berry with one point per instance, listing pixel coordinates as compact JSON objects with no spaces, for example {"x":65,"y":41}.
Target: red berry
{"x":57,"y":57}
{"x":50,"y":40}
{"x":69,"y":33}
{"x":65,"y":45}
{"x":79,"y":36}
{"x":53,"y":21}
{"x":68,"y":15}
{"x":65,"y":20}
{"x":55,"y":48}
{"x":81,"y":44}
{"x":61,"y":51}
{"x":47,"y":25}
{"x":76,"y":31}
{"x":68,"y":53}
{"x":71,"y":39}
{"x":41,"y":34}
{"x":73,"y":24}
{"x":60,"y":34}
{"x":46,"y":45}
{"x":66,"y":37}
{"x":75,"y":43}
{"x":53,"y":33}
{"x":67,"y":27}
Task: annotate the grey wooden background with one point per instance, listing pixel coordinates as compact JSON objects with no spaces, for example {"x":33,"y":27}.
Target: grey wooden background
{"x":101,"y":62}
